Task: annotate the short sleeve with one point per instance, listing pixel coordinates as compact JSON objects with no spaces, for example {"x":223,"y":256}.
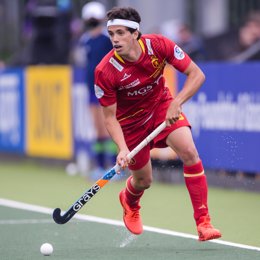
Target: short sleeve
{"x":175,"y":55}
{"x":104,"y":89}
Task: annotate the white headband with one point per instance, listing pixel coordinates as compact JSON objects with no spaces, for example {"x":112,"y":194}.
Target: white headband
{"x":127,"y":23}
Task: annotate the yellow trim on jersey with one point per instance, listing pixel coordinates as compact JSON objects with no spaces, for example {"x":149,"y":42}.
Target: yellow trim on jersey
{"x":181,"y":117}
{"x":142,"y":45}
{"x":121,"y":59}
{"x":130,"y":115}
{"x":193,"y":175}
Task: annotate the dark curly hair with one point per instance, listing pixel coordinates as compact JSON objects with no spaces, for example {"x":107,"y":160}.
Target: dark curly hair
{"x":126,"y":13}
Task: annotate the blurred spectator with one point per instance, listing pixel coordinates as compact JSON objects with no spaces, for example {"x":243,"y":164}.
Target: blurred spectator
{"x":182,"y":35}
{"x":2,"y":64}
{"x":191,"y":43}
{"x":237,"y":45}
{"x":169,"y":29}
{"x":95,"y":44}
{"x":249,"y":39}
{"x":76,"y":53}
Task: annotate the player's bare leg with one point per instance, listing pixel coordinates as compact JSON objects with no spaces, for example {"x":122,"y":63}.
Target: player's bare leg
{"x":181,"y":142}
{"x":130,"y":197}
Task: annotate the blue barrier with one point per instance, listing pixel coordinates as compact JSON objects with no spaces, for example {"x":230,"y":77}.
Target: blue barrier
{"x":12,"y":111}
{"x":225,"y":116}
{"x":83,"y":129}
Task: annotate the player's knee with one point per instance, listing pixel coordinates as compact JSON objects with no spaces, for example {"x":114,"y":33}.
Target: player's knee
{"x":189,"y":155}
{"x":143,"y":183}
{"x":146,"y":185}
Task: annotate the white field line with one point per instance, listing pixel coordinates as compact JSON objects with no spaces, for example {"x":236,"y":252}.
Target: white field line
{"x":25,"y":221}
{"x":49,"y":211}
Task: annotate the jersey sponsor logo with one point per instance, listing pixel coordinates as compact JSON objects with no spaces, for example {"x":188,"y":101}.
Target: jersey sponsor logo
{"x":131,"y":85}
{"x":126,"y":76}
{"x":98,"y":91}
{"x":178,"y":53}
{"x":116,"y":64}
{"x":142,"y":91}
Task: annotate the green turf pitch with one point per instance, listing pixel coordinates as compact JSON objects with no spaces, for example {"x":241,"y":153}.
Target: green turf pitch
{"x":23,"y":232}
{"x":167,"y":206}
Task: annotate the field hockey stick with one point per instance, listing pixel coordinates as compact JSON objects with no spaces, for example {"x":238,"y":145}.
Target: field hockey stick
{"x":62,"y":219}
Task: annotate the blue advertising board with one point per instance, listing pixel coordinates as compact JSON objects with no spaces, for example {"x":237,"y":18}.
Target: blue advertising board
{"x":12,"y":110}
{"x":225,"y":116}
{"x":83,"y":128}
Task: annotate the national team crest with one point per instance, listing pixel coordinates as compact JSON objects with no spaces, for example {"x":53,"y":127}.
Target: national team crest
{"x":155,"y":61}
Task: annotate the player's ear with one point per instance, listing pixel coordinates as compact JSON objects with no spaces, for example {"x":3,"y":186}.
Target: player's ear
{"x":135,"y":34}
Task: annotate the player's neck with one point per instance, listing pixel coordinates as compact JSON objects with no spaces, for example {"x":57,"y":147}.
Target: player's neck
{"x":134,"y":53}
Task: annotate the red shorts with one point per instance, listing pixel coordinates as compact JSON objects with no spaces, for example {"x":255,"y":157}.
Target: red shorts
{"x":134,"y":136}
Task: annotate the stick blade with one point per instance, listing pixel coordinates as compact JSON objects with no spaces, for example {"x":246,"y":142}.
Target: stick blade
{"x":57,"y":216}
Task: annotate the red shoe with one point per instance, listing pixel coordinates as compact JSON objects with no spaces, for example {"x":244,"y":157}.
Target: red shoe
{"x":131,"y":216}
{"x":206,"y":231}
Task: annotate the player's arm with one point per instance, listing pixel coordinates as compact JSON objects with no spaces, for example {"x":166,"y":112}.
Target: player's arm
{"x":116,"y":133}
{"x":195,"y":77}
{"x":194,"y":80}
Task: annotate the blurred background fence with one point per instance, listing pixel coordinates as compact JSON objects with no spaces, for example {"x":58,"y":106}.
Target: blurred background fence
{"x":44,"y":100}
{"x":21,"y":20}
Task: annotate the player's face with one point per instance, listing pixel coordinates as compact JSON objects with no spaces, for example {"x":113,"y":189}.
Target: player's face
{"x":122,"y":39}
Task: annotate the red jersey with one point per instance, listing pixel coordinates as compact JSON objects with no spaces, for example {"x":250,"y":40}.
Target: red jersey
{"x":138,"y":87}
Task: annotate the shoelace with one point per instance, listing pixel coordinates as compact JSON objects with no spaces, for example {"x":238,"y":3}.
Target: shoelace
{"x":135,"y":214}
{"x":206,"y":225}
